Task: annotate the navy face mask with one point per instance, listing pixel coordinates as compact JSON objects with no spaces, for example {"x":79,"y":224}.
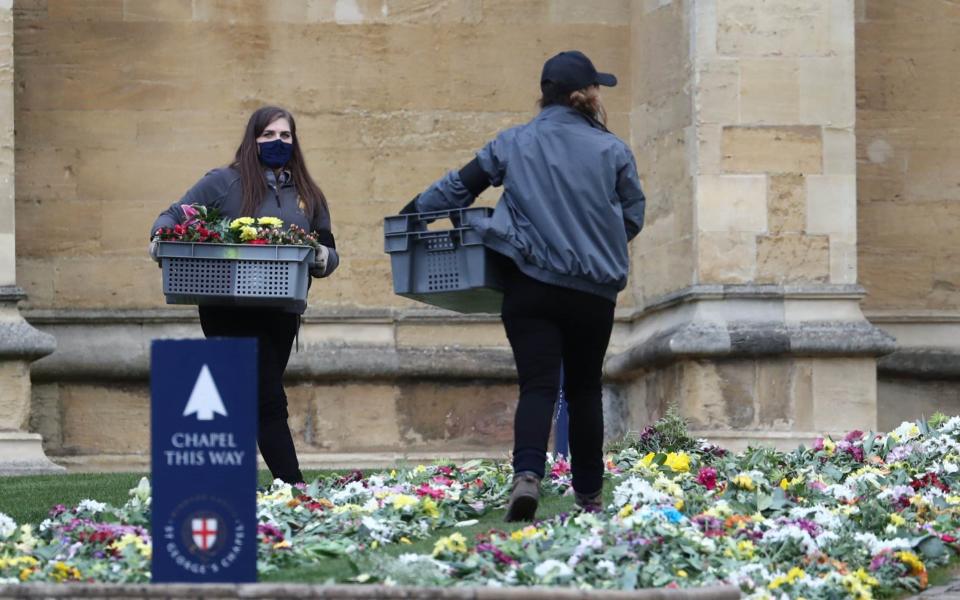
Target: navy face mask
{"x":276,"y":153}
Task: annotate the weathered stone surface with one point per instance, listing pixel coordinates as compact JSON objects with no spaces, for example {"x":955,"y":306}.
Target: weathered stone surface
{"x":14,"y":394}
{"x":845,"y":394}
{"x":727,"y":257}
{"x":774,"y":28}
{"x":84,"y":408}
{"x":908,"y":150}
{"x":772,"y":150}
{"x":769,"y":91}
{"x":732,"y":203}
{"x":434,"y":416}
{"x":786,"y":204}
{"x":793,"y":257}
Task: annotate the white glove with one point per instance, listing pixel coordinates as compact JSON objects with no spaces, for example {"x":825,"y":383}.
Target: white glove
{"x":319,"y":266}
{"x":154,"y":251}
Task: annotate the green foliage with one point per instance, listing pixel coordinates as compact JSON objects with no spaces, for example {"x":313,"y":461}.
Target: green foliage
{"x":669,"y":434}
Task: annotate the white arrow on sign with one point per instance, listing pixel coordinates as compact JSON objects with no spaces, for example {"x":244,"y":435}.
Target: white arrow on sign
{"x":205,"y":399}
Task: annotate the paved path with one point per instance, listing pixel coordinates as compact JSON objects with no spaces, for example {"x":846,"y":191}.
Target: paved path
{"x":344,"y":592}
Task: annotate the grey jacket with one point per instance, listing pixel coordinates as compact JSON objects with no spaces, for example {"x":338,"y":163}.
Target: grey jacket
{"x":220,"y":188}
{"x":571,"y":201}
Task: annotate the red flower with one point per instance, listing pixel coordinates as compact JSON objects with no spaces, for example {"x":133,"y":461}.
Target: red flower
{"x":707,"y":477}
{"x":258,"y":242}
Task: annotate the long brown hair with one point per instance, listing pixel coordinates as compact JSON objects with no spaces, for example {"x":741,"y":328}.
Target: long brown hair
{"x":252,"y":180}
{"x":587,"y":100}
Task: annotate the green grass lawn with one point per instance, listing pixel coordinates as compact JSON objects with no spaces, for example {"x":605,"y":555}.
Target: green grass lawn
{"x":27,"y":499}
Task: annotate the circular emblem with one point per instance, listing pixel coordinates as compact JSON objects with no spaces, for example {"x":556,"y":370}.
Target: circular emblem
{"x":203,"y":535}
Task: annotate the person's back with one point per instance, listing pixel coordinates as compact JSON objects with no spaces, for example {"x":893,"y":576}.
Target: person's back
{"x":570,"y":204}
{"x":561,"y":207}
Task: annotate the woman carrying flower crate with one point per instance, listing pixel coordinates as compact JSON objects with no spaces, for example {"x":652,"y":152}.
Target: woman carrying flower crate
{"x":571,"y":203}
{"x":266,"y":187}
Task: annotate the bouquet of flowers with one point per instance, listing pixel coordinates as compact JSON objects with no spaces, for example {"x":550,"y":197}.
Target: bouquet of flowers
{"x":207,"y":225}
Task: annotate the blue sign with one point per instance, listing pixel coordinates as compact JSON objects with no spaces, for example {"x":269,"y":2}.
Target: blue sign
{"x":203,"y":428}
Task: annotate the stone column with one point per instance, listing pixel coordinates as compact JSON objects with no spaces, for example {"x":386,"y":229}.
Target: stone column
{"x":20,"y":451}
{"x":746,"y":272}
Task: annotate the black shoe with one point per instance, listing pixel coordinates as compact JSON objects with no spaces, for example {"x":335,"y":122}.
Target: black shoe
{"x":524,"y":497}
{"x":589,"y":502}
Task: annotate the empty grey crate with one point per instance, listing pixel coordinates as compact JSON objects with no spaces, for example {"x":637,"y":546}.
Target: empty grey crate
{"x":235,"y":274}
{"x":446,"y":268}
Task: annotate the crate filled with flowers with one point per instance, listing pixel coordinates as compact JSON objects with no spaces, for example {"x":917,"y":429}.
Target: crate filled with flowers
{"x":247,"y":261}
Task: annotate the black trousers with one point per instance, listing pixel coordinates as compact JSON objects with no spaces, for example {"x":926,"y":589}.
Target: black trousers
{"x":274,"y":331}
{"x":547,"y":325}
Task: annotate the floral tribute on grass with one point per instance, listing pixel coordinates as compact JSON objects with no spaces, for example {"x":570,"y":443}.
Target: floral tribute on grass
{"x":859,"y":517}
{"x":206,"y":225}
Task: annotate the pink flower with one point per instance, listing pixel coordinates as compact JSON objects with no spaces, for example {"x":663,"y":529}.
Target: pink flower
{"x":818,"y":444}
{"x":189,"y":213}
{"x":853,"y":436}
{"x":426,"y":490}
{"x":560,"y":468}
{"x":707,"y":477}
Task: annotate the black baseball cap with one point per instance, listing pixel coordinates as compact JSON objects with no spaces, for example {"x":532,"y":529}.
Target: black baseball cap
{"x":572,"y":70}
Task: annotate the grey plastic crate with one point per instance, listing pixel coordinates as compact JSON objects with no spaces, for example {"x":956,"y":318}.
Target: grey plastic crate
{"x":235,"y":274}
{"x":448,"y":268}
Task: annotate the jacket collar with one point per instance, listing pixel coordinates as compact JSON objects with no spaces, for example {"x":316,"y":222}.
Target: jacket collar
{"x":285,"y":177}
{"x":565,"y":114}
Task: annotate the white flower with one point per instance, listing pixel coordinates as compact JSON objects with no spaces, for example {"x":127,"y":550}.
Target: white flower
{"x":791,"y":532}
{"x":608,"y":566}
{"x":352,"y":490}
{"x":818,"y":514}
{"x":906,"y":431}
{"x":7,"y":526}
{"x":952,"y":424}
{"x":551,"y":569}
{"x":91,"y":506}
{"x":877,"y":546}
{"x":841,"y":492}
{"x":635,"y":490}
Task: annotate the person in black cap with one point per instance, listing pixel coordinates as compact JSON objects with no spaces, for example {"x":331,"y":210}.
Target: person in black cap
{"x":571,"y":203}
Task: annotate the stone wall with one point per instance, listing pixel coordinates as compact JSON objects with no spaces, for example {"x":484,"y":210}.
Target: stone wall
{"x":908,"y":178}
{"x":121,"y":105}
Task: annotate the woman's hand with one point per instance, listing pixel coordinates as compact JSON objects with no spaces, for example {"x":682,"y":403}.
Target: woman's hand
{"x":154,"y":250}
{"x":319,"y":266}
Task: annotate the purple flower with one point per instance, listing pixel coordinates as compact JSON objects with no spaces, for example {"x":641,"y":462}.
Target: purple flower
{"x":899,"y":453}
{"x":853,"y":436}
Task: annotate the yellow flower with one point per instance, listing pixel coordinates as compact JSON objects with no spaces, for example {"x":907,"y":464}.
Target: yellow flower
{"x":25,"y":574}
{"x":136,"y":541}
{"x":240,"y":222}
{"x":790,"y":578}
{"x":953,"y":499}
{"x":248,"y":233}
{"x":430,"y":508}
{"x":678,"y":461}
{"x":454,"y":543}
{"x":402,"y":501}
{"x":745,"y":548}
{"x":681,"y":573}
{"x":784,"y":484}
{"x":678,"y":504}
{"x":62,"y":572}
{"x":269,"y":221}
{"x":646,"y":464}
{"x":281,"y":544}
{"x":913,"y":561}
{"x":405,"y":540}
{"x":419,"y":469}
{"x":626,"y":511}
{"x":744,"y":481}
{"x":897,"y":520}
{"x":829,"y":445}
{"x":527,"y":533}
